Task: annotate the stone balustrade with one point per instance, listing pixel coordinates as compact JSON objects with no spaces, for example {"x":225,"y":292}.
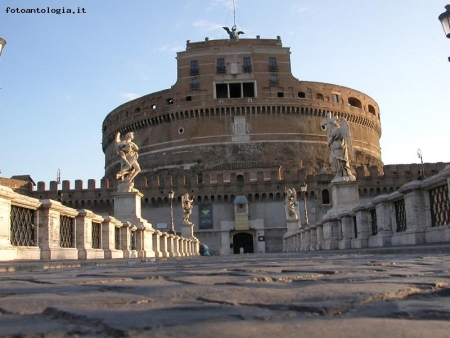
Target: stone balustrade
{"x":417,"y":213}
{"x":32,"y":229}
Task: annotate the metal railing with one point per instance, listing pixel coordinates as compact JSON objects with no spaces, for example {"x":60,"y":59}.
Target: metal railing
{"x":96,"y":235}
{"x":117,"y":238}
{"x":22,"y":228}
{"x":66,"y":232}
{"x":132,"y":240}
{"x":400,"y":215}
{"x":440,"y":206}
{"x":374,"y":223}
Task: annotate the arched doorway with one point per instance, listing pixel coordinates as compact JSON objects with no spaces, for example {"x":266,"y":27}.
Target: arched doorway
{"x":243,"y":240}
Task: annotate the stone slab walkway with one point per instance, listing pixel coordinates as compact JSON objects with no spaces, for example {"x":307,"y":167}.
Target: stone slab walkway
{"x":314,"y":294}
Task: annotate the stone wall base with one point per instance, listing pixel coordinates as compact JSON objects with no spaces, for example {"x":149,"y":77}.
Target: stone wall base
{"x":330,"y":245}
{"x":113,"y":253}
{"x":345,"y":244}
{"x":438,"y":234}
{"x":91,"y":254}
{"x":380,"y":240}
{"x":408,"y":237}
{"x":8,"y":253}
{"x":359,"y":243}
{"x":59,"y":253}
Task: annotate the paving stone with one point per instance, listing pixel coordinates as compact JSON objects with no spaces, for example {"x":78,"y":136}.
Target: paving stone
{"x":288,"y":295}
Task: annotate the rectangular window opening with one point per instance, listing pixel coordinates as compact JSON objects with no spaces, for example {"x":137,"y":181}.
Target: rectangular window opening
{"x":221,"y":90}
{"x":235,"y":90}
{"x":249,"y":89}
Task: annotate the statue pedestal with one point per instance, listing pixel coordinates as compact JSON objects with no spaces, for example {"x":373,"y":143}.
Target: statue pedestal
{"x":187,"y":231}
{"x":344,"y":197}
{"x":127,"y":209}
{"x":293,"y":227}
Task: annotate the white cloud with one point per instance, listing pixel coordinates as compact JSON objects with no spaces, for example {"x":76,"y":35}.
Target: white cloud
{"x":129,"y":96}
{"x":207,"y":26}
{"x":225,"y":3}
{"x":299,"y":8}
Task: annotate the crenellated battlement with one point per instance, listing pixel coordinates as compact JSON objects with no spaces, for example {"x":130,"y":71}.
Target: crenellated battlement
{"x":236,"y":178}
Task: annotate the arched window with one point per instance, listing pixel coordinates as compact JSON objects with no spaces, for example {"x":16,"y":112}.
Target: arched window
{"x":354,"y":102}
{"x":319,"y":97}
{"x":301,"y":95}
{"x":325,"y":196}
{"x":240,"y":179}
{"x":372,"y":109}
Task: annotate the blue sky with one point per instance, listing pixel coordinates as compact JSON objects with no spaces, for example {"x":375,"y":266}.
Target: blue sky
{"x":60,"y":75}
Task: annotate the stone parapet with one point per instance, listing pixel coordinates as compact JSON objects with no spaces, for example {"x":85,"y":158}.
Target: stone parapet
{"x":47,"y":230}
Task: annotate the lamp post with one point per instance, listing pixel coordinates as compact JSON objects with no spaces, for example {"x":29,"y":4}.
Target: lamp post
{"x":419,"y":155}
{"x":304,"y":189}
{"x":172,"y":226}
{"x":2,"y":44}
{"x":444,"y":18}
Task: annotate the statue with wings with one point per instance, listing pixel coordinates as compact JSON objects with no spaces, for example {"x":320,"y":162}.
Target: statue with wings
{"x":129,"y":166}
{"x":340,"y":145}
{"x":233,"y":33}
{"x":289,"y":204}
{"x":187,"y":203}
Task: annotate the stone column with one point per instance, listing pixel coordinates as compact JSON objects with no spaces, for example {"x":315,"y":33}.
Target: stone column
{"x":50,"y":214}
{"x":145,"y":244}
{"x":313,"y":230}
{"x":84,"y":233}
{"x":363,"y":224}
{"x":346,"y":222}
{"x":331,"y":234}
{"x":170,"y":246}
{"x":436,"y":234}
{"x":183,"y":247}
{"x":320,"y":239}
{"x":384,"y":221}
{"x":163,"y":244}
{"x":156,"y":236}
{"x":125,"y":240}
{"x":307,"y":238}
{"x":109,"y":226}
{"x":8,"y":251}
{"x":179,"y":246}
{"x":416,"y":222}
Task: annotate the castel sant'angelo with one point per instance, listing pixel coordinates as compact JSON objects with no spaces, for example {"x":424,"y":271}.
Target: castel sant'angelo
{"x":234,"y":131}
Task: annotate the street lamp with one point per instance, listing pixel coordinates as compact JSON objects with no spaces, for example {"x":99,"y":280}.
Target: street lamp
{"x":172,"y":226}
{"x":2,"y":44}
{"x":304,"y":189}
{"x":419,"y":155}
{"x":444,"y":18}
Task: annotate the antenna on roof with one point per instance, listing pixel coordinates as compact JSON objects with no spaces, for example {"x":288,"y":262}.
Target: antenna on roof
{"x":233,"y":32}
{"x":234,"y":13}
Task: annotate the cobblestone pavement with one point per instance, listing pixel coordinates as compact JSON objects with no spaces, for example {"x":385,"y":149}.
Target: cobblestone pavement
{"x":317,"y":294}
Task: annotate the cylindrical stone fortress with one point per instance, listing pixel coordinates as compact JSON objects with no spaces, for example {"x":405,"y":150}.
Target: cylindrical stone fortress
{"x":237,"y":101}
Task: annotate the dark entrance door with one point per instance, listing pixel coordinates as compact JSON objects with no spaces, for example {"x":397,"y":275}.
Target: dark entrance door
{"x":243,"y":240}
